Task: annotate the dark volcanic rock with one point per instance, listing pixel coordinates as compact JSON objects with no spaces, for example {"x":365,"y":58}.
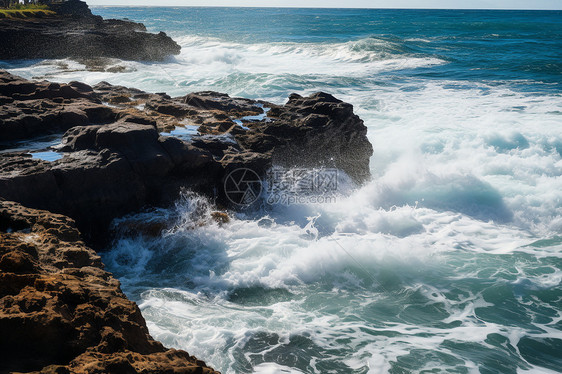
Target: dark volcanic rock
{"x":315,"y":131}
{"x":111,"y":170}
{"x":76,"y":33}
{"x":75,"y":8}
{"x":210,"y":100}
{"x":60,"y":312}
{"x":115,"y":160}
{"x":30,"y":109}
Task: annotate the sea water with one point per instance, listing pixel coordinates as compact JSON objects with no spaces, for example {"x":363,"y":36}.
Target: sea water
{"x":448,"y":260}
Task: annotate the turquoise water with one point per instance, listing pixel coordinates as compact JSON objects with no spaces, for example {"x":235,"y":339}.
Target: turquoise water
{"x":448,"y":260}
{"x":47,"y":155}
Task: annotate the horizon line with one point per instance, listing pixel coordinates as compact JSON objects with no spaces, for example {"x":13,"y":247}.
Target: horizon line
{"x":307,"y":7}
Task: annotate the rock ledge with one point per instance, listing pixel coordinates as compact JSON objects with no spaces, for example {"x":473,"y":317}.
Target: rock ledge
{"x":116,"y":158}
{"x":60,"y":312}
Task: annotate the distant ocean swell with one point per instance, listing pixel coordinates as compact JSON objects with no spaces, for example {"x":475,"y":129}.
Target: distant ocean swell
{"x":207,"y":62}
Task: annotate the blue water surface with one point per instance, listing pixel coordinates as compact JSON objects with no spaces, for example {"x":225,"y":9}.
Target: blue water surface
{"x":483,"y":45}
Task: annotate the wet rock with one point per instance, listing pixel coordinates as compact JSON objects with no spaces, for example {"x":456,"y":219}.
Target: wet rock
{"x":220,"y":217}
{"x":78,"y":138}
{"x":316,"y":131}
{"x":164,"y":105}
{"x":258,"y":162}
{"x":39,"y":108}
{"x":60,"y":312}
{"x":115,"y":160}
{"x":217,"y":145}
{"x":210,"y":100}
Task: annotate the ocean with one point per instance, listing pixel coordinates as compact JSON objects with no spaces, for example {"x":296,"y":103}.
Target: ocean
{"x":448,"y":260}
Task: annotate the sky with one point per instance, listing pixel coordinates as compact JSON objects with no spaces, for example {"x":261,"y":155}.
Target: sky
{"x":439,"y":4}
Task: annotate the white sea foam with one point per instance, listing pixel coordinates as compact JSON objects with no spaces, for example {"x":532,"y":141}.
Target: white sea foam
{"x":354,"y":262}
{"x":242,"y":69}
{"x":466,"y":180}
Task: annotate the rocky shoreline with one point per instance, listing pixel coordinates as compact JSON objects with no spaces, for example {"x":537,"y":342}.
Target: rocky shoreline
{"x":74,"y":32}
{"x":60,"y":312}
{"x":115,"y":160}
{"x":117,"y":153}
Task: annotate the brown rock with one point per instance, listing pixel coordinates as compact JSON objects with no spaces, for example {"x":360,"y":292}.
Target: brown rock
{"x":60,"y":312}
{"x":17,"y":262}
{"x":220,"y":217}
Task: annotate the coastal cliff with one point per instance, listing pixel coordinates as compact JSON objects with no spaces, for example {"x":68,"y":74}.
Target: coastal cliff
{"x":74,"y":32}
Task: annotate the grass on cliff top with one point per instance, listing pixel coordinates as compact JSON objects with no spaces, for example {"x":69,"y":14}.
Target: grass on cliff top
{"x":26,"y":11}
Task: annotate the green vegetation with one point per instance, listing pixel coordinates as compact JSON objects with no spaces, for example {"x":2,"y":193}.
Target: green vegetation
{"x":20,"y":6}
{"x":26,"y":11}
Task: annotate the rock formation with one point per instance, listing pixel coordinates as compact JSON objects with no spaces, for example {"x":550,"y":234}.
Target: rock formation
{"x":75,"y":33}
{"x":115,"y":160}
{"x":60,"y":312}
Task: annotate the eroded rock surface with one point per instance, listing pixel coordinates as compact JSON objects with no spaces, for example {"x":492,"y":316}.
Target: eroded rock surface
{"x":31,"y":109}
{"x":118,"y":155}
{"x":61,"y":312}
